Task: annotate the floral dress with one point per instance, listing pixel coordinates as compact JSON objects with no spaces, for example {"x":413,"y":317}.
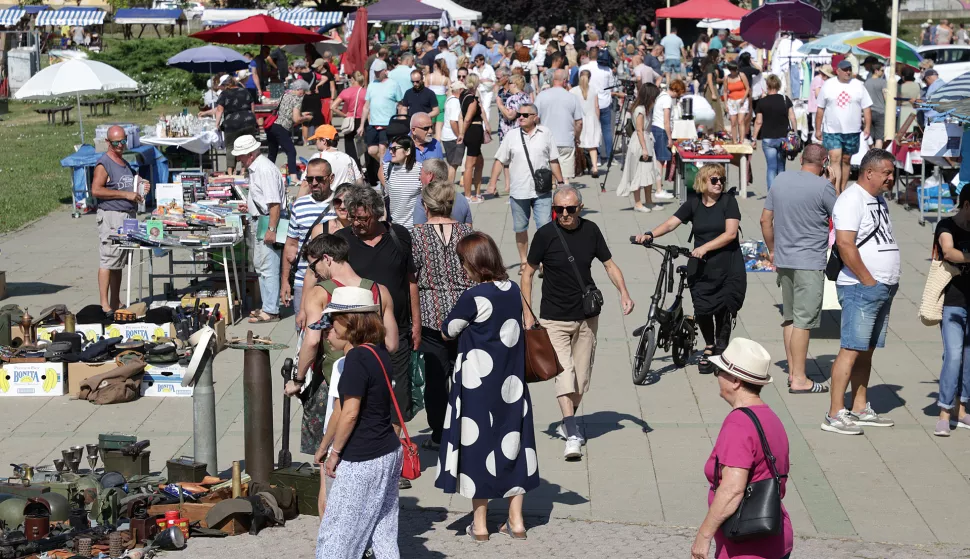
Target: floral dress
{"x":488,"y":448}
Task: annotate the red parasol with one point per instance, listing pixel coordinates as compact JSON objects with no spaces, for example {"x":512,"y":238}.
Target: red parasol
{"x":356,"y":56}
{"x":259,"y":30}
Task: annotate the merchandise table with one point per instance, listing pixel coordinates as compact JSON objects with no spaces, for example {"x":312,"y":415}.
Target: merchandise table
{"x":737,"y":154}
{"x":228,"y":259}
{"x":199,"y":144}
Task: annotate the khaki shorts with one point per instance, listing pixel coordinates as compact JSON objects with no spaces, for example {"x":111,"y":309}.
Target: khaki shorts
{"x":567,"y":163}
{"x":801,"y":297}
{"x":110,"y":256}
{"x":575,"y":345}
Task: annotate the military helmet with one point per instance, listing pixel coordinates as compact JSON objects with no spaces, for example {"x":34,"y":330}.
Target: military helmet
{"x":60,"y":506}
{"x":12,"y":512}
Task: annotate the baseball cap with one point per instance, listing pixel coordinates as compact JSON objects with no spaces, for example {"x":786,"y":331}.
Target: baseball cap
{"x":845,"y":65}
{"x":378,"y":66}
{"x":324,"y":132}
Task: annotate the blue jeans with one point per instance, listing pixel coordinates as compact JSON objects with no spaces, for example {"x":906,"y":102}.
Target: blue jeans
{"x":956,"y":357}
{"x":606,"y":124}
{"x":266,"y":260}
{"x":865,"y":314}
{"x":521,"y":209}
{"x":774,"y":158}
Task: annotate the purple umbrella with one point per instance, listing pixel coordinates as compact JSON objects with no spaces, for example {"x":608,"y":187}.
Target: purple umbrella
{"x":760,"y":27}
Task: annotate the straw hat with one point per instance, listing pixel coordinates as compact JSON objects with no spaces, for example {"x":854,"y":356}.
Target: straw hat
{"x":351,"y":299}
{"x":827,"y":70}
{"x":746,"y":360}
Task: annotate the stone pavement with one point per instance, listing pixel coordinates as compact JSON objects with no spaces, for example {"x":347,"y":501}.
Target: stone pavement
{"x":647,"y":445}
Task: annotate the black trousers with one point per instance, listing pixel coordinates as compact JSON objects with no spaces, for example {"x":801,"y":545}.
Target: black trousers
{"x":401,"y":373}
{"x":439,"y":362}
{"x":350,"y":147}
{"x":716,"y":329}
{"x":278,"y":137}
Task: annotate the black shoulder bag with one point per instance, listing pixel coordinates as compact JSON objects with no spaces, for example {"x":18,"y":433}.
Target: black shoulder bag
{"x":834,"y":265}
{"x":592,"y":296}
{"x":759,"y":512}
{"x":301,"y":254}
{"x":542,"y":177}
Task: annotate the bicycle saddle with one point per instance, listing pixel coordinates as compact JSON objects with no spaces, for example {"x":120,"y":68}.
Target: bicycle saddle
{"x":682,"y":269}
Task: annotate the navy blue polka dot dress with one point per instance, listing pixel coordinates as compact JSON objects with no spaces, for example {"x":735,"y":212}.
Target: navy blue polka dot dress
{"x":488,"y":449}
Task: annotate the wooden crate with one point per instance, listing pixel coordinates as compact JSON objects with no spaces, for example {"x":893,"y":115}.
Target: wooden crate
{"x":195,"y":512}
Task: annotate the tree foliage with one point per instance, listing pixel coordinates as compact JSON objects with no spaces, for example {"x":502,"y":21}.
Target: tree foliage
{"x":145,"y":60}
{"x":571,"y":12}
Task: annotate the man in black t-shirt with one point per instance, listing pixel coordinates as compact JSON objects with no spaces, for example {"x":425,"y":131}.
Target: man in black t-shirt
{"x":419,"y":99}
{"x":572,"y":333}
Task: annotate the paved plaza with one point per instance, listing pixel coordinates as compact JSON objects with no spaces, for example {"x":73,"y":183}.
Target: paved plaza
{"x":640,"y":482}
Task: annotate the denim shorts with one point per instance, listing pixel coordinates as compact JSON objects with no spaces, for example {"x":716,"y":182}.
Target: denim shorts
{"x":522,"y":209}
{"x":672,"y":65}
{"x":660,"y":148}
{"x":848,"y":143}
{"x":865,"y":315}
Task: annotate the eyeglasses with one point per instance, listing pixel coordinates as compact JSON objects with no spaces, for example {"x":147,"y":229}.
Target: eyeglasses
{"x":416,"y":81}
{"x":565,"y":209}
{"x":337,"y":203}
{"x":121,"y":142}
{"x":361,"y":218}
{"x":425,"y":128}
{"x":314,"y":179}
{"x":717,"y":180}
{"x":526,"y":115}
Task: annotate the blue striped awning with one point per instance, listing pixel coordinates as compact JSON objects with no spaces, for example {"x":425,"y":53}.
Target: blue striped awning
{"x":71,"y":16}
{"x":958,"y":88}
{"x":11,"y":16}
{"x":307,"y":17}
{"x":128,"y":16}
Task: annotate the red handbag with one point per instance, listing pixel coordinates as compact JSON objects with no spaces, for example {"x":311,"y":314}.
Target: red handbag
{"x":411,"y":468}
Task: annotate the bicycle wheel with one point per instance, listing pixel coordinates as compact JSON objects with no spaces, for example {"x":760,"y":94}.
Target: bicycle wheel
{"x":646,"y":347}
{"x":683,"y":344}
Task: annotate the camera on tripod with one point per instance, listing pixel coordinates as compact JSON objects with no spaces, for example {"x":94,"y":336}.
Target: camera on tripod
{"x":629,"y":86}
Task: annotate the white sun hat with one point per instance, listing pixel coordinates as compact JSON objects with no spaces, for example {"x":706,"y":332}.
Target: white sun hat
{"x":745,"y":359}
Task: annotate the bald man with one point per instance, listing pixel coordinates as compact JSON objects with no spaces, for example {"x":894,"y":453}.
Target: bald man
{"x":114,"y":187}
{"x":562,"y":113}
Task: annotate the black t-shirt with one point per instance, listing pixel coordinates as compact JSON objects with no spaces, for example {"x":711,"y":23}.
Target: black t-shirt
{"x":710,"y":222}
{"x":362,"y":377}
{"x":238,"y":111}
{"x":428,"y":58}
{"x":774,"y":122}
{"x":957,"y":293}
{"x":423,"y":101}
{"x":386,"y":265}
{"x":282,"y":64}
{"x":562,"y":295}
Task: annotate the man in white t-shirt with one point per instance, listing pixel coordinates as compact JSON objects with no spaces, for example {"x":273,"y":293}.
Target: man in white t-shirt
{"x":866,"y":287}
{"x":345,"y":169}
{"x":454,"y":152}
{"x":843,"y":105}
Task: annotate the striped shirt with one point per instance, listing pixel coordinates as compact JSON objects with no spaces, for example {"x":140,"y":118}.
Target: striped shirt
{"x":404,"y":189}
{"x":303,"y":213}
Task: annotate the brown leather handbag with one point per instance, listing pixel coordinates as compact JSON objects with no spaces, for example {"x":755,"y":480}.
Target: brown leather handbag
{"x":541,"y":361}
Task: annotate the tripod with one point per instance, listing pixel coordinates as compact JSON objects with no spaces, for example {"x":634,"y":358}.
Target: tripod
{"x":620,"y":136}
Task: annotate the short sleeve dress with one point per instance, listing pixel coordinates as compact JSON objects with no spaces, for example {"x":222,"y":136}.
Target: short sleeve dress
{"x":722,"y":280}
{"x":488,"y":448}
{"x":638,"y":174}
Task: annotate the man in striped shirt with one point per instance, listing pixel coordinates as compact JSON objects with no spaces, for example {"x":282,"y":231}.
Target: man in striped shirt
{"x":304,"y":214}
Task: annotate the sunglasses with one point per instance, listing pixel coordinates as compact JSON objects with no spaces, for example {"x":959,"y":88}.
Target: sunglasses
{"x":565,"y":209}
{"x":337,"y":203}
{"x":314,"y":179}
{"x":395,"y":148}
{"x":117,"y":143}
{"x":717,"y":180}
{"x":526,"y":115}
{"x":425,"y":128}
{"x":416,"y":81}
{"x":361,"y":218}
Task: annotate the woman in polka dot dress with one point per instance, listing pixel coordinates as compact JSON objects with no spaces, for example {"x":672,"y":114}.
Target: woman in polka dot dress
{"x":488,"y":449}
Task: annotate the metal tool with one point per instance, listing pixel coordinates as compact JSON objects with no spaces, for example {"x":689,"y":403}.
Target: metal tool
{"x":136,"y":448}
{"x":214,"y":315}
{"x":285,"y":459}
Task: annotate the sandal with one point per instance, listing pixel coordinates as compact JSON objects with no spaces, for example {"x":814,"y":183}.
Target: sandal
{"x":262,"y":318}
{"x":704,"y":365}
{"x":817,"y":388}
{"x":506,"y":530}
{"x":477,"y":538}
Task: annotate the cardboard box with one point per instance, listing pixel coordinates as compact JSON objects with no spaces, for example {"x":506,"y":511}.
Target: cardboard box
{"x":91,"y":331}
{"x":146,"y":331}
{"x":80,"y":372}
{"x":32,"y":379}
{"x":165,"y":381}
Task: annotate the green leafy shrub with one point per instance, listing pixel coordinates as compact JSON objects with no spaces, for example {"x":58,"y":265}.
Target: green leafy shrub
{"x":144,"y":61}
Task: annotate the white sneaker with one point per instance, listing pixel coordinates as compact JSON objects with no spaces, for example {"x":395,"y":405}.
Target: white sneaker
{"x":561,"y":431}
{"x":641,"y":208}
{"x":663,"y":195}
{"x":574,"y":449}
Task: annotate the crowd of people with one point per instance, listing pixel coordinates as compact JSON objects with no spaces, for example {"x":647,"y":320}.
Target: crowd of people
{"x":381,"y":260}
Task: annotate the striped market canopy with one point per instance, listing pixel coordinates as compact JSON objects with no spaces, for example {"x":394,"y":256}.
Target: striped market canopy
{"x":307,"y":17}
{"x":128,"y":16}
{"x":71,"y":16}
{"x":350,"y":23}
{"x":11,"y":16}
{"x":956,"y":89}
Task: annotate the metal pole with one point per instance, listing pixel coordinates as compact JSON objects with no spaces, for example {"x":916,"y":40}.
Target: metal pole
{"x":204,"y":419}
{"x":890,"y":130}
{"x":258,"y":413}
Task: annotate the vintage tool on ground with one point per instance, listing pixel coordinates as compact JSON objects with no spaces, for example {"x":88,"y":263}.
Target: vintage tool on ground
{"x":136,"y":448}
{"x":143,"y":526}
{"x":37,"y":519}
{"x":199,"y":376}
{"x":285,"y":459}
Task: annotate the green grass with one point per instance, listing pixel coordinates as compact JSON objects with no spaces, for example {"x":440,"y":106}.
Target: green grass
{"x":32,"y":181}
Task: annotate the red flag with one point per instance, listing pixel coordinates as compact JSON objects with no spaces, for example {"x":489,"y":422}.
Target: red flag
{"x":356,"y":56}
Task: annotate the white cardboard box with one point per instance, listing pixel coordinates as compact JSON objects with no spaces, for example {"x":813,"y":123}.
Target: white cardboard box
{"x":165,"y":381}
{"x":146,"y":331}
{"x":32,"y":379}
{"x":91,"y":331}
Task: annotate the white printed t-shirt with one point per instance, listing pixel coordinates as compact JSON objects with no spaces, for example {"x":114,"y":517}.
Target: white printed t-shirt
{"x":857,"y":210}
{"x":843,"y":104}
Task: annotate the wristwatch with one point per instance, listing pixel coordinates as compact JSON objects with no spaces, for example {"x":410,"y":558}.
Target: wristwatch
{"x":273,"y":229}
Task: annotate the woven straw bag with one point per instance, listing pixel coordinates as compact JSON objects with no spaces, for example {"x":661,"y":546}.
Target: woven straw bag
{"x":931,"y":305}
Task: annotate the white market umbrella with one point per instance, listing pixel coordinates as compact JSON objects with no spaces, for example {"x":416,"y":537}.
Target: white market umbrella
{"x":75,"y":77}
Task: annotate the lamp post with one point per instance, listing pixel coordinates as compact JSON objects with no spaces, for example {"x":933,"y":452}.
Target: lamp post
{"x":890,"y":129}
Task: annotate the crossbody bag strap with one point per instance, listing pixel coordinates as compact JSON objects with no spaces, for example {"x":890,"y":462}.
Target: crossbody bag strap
{"x":390,"y":388}
{"x":527,"y":158}
{"x":302,"y":254}
{"x":535,"y":319}
{"x":769,"y":457}
{"x":875,"y":230}
{"x":572,"y":260}
{"x":357,"y":101}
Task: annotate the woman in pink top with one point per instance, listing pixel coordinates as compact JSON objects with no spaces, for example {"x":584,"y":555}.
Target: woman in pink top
{"x":823,"y":73}
{"x":742,"y":370}
{"x":350,"y":104}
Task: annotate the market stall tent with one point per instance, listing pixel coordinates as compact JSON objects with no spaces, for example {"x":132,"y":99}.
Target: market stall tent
{"x":71,"y":16}
{"x":455,"y":12}
{"x":403,"y":11}
{"x":144,"y":17}
{"x":307,"y":17}
{"x":701,"y":9}
{"x":215,"y":17}
{"x":11,"y":16}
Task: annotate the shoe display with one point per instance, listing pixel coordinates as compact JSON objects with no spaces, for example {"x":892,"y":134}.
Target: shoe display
{"x":842,"y":424}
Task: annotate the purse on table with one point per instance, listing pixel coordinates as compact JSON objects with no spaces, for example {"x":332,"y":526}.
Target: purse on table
{"x":759,"y":512}
{"x":411,"y":468}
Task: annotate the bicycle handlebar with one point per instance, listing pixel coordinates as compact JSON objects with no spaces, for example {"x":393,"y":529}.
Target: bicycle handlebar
{"x":669,"y":248}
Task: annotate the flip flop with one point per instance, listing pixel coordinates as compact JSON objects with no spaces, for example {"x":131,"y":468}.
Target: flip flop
{"x":475,"y":537}
{"x":817,"y":388}
{"x":506,"y":530}
{"x":258,"y":319}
